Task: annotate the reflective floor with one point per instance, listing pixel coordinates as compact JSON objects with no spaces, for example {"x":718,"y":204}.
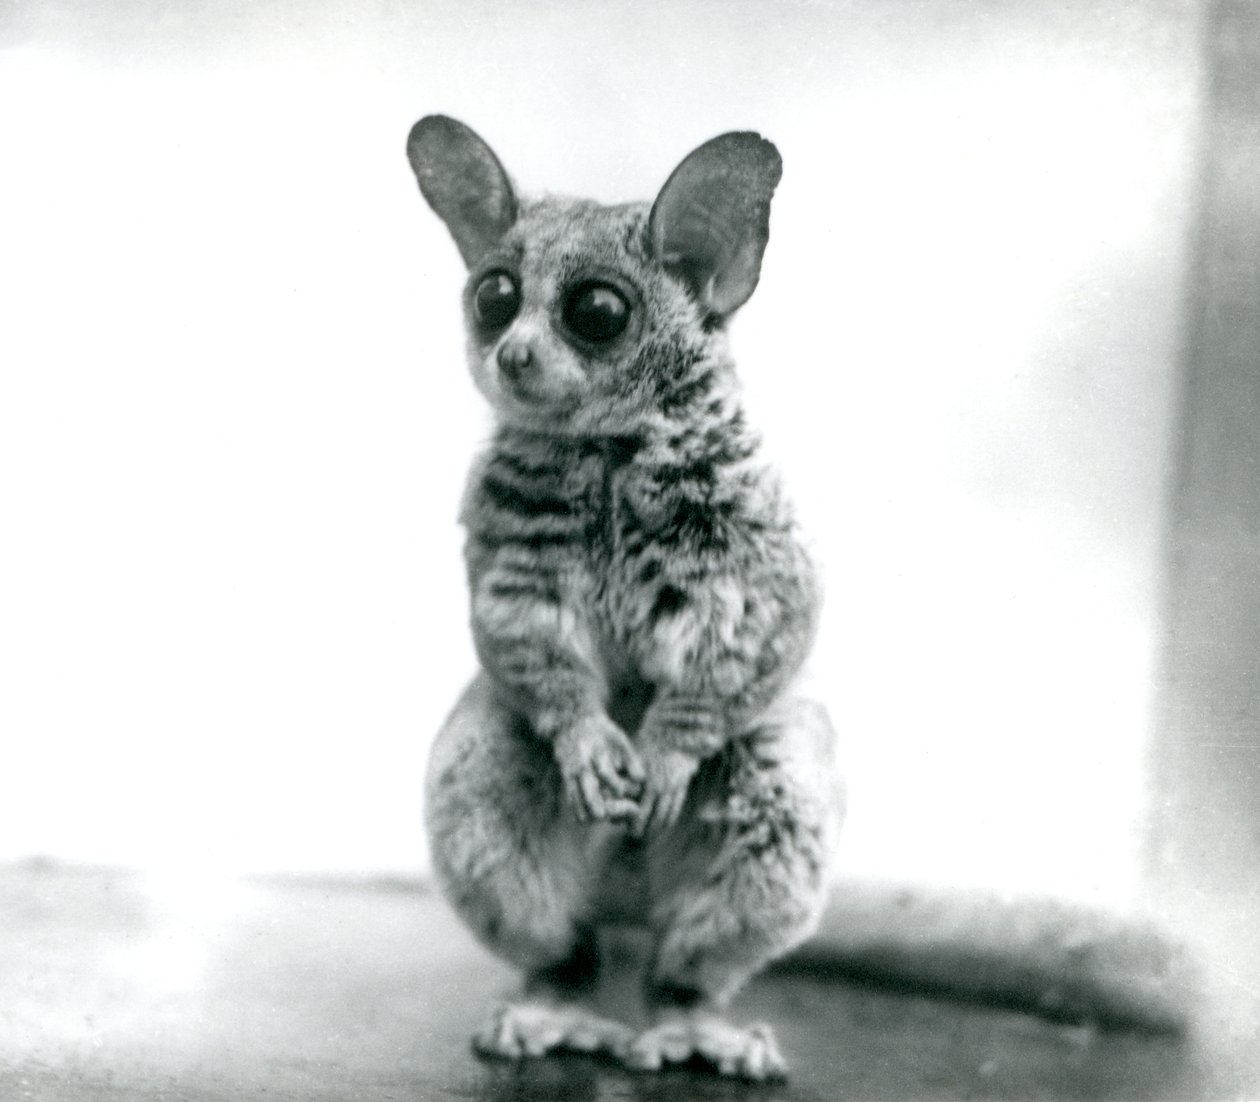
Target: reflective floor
{"x":121,"y":986}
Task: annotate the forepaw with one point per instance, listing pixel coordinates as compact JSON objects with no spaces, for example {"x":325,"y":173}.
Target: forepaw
{"x":600,"y":770}
{"x":749,"y":1052}
{"x":666,"y":776}
{"x":531,"y":1028}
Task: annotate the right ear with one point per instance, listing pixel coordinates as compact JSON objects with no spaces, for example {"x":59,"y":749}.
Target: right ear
{"x":463,"y":182}
{"x":711,"y":221}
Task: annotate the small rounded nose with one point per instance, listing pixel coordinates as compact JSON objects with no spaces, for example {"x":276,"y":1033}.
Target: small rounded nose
{"x":514,"y":358}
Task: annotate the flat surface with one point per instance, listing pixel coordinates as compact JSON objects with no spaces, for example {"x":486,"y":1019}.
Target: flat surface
{"x":121,"y":986}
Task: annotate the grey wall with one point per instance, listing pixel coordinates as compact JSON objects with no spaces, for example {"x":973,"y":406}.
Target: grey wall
{"x":1205,"y":855}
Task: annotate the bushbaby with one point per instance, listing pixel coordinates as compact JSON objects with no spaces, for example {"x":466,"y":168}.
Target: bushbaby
{"x":633,"y":749}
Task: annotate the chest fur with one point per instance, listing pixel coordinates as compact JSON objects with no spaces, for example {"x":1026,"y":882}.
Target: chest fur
{"x":644,"y":556}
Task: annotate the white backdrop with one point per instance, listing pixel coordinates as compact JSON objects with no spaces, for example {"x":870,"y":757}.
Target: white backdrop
{"x":235,"y":421}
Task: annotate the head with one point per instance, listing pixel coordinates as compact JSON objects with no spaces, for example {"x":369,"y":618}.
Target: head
{"x":590,"y":319}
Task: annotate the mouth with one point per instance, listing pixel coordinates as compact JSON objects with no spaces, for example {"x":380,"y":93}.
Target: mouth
{"x":521,"y":391}
{"x":521,"y":400}
{"x":531,"y":392}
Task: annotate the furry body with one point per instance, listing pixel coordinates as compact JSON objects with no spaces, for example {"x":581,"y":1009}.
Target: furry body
{"x":633,"y":750}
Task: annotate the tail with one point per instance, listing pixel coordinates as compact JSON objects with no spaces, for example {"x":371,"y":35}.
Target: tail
{"x":1050,"y":957}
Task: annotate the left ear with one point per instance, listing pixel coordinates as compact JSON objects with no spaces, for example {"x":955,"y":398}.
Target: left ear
{"x":463,"y":182}
{"x":711,"y":221}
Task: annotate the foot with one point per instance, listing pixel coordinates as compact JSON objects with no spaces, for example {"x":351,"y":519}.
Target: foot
{"x":746,"y":1052}
{"x":534,"y":1028}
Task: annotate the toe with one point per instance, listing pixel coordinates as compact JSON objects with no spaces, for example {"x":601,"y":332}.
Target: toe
{"x":496,"y":1037}
{"x":643,"y":1057}
{"x":763,"y":1059}
{"x":677,"y":1048}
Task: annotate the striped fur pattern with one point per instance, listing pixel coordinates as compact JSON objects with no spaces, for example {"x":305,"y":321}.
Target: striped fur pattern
{"x":627,"y":529}
{"x":640,"y":601}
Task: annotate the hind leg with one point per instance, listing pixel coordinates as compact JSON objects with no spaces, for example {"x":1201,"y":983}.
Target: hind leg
{"x":738,"y":881}
{"x":519,"y":869}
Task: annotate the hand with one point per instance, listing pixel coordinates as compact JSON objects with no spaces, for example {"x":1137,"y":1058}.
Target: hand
{"x":600,"y":770}
{"x":667,"y":774}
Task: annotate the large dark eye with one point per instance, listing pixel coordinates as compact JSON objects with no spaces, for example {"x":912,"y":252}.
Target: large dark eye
{"x":596,"y":313}
{"x":496,"y":300}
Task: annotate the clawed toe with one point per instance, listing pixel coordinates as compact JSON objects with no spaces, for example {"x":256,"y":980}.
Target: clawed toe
{"x":500,"y":1036}
{"x":532,"y":1028}
{"x":746,"y":1053}
{"x":761,"y":1058}
{"x":516,"y":1030}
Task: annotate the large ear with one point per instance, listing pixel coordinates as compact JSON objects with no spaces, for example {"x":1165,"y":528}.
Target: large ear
{"x":711,"y":221}
{"x":464,"y":183}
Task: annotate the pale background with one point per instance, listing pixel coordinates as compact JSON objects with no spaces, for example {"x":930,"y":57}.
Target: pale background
{"x":235,"y":420}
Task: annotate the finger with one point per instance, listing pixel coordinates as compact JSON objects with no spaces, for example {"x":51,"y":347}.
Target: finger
{"x":617,"y":769}
{"x":591,"y":794}
{"x":674,"y":806}
{"x":632,"y":777}
{"x":621,"y":770}
{"x":574,"y":797}
{"x":621,"y":811}
{"x":643,"y":814}
{"x":609,"y":774}
{"x":666,"y":810}
{"x":659,"y":809}
{"x":661,"y":815}
{"x":632,"y":765}
{"x":573,"y":791}
{"x":623,"y":787}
